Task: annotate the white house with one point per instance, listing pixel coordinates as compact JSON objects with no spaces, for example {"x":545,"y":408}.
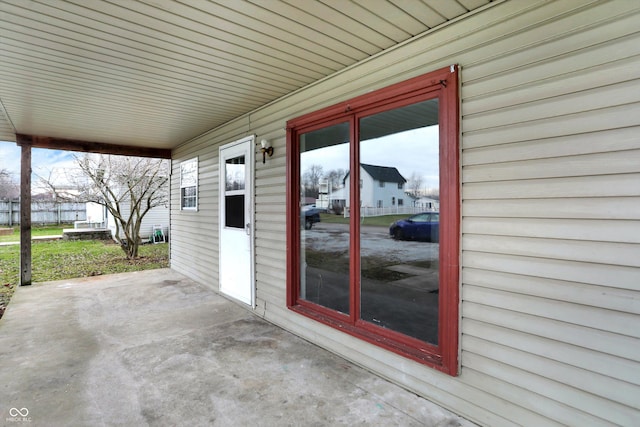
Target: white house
{"x":156,"y":218}
{"x":525,"y":312}
{"x":380,"y":187}
{"x":426,"y":203}
{"x":99,"y":216}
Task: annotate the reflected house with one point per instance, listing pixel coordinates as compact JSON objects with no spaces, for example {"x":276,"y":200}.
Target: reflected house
{"x":427,"y":204}
{"x":380,"y":187}
{"x":337,"y":200}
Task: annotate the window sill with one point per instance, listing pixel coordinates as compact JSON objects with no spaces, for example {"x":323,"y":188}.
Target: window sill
{"x":418,"y":351}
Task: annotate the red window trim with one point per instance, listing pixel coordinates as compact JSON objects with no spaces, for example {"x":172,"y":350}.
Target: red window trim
{"x":442,"y":84}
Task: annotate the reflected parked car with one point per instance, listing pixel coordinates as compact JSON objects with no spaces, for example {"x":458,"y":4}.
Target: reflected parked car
{"x":310,"y":215}
{"x":424,"y":226}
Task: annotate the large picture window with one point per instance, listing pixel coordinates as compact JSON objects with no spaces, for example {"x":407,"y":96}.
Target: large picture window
{"x":189,"y":184}
{"x":382,"y":271}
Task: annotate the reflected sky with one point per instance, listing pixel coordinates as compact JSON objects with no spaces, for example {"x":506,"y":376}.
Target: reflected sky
{"x":378,"y":153}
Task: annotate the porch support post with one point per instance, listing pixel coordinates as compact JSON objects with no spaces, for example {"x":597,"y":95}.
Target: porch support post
{"x":25,"y":215}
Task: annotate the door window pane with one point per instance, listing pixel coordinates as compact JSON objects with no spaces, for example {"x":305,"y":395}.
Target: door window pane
{"x":399,"y":265}
{"x":234,"y":211}
{"x":235,"y":173}
{"x":324,"y":245}
{"x":234,"y":192}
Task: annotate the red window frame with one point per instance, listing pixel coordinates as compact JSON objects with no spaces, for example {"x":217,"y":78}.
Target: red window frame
{"x":441,"y":84}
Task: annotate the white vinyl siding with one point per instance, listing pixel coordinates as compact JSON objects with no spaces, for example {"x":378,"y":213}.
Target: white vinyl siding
{"x":194,"y":234}
{"x":550,"y":160}
{"x":156,"y":216}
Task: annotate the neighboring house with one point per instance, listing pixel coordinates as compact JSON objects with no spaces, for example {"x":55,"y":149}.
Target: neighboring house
{"x":99,"y":216}
{"x":96,"y":215}
{"x":380,"y":187}
{"x":426,"y":203}
{"x":337,"y":200}
{"x":156,"y":217}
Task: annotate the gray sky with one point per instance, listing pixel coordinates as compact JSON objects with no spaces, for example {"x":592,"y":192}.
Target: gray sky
{"x":411,"y":151}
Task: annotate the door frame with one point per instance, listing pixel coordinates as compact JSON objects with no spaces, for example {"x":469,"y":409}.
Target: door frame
{"x":249,"y":142}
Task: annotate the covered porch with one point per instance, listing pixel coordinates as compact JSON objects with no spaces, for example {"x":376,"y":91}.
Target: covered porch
{"x":156,"y":348}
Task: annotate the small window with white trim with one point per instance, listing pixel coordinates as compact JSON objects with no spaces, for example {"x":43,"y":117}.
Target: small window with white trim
{"x":189,"y":184}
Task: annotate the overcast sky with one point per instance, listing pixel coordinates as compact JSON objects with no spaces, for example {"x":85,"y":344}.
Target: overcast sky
{"x":413,"y":151}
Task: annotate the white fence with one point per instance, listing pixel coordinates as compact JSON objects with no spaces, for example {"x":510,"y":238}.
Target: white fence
{"x":43,"y":212}
{"x":393,"y":210}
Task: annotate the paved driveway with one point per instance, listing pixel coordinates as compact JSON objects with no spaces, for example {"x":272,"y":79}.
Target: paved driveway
{"x":375,"y":241}
{"x":154,"y":348}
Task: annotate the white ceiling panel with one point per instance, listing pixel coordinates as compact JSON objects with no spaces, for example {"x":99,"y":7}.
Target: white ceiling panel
{"x":155,"y":73}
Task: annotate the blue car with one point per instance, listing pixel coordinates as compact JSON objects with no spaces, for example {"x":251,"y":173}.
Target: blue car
{"x":310,"y":215}
{"x":424,"y":226}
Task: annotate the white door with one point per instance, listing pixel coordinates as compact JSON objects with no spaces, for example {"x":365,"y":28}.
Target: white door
{"x":236,"y":220}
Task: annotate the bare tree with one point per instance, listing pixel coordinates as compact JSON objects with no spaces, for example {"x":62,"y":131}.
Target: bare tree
{"x":311,"y":180}
{"x":114,"y":182}
{"x":432,"y":192}
{"x":49,"y":188}
{"x":414,"y":185}
{"x":335,"y":178}
{"x":9,"y":188}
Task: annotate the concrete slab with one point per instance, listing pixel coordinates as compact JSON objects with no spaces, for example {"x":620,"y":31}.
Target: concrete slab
{"x":86,"y":234}
{"x":154,"y":348}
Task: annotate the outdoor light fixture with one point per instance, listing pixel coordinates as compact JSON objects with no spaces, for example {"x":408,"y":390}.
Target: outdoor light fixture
{"x":266,"y":149}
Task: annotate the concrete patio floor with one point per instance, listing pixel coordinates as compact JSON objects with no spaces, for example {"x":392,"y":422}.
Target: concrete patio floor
{"x":155,"y":348}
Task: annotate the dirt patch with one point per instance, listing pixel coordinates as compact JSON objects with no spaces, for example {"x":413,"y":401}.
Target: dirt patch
{"x":6,"y":290}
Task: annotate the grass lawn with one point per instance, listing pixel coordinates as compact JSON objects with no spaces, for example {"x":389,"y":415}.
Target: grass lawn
{"x":379,"y":221}
{"x":58,"y":260}
{"x":36,"y":230}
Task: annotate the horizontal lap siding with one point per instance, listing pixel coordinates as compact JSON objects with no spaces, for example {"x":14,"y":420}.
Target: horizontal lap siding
{"x":156,"y":216}
{"x":196,"y":251}
{"x":270,"y":249}
{"x":551,"y":221}
{"x":194,"y":234}
{"x":550,"y":159}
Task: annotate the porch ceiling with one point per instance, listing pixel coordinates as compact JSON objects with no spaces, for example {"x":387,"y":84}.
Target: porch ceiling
{"x":156,"y":73}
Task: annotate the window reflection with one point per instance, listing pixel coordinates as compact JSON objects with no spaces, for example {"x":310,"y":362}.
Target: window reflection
{"x":324,"y":245}
{"x":399,"y":265}
{"x":403,"y":156}
{"x":399,"y":184}
{"x":234,"y":198}
{"x":234,"y":174}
